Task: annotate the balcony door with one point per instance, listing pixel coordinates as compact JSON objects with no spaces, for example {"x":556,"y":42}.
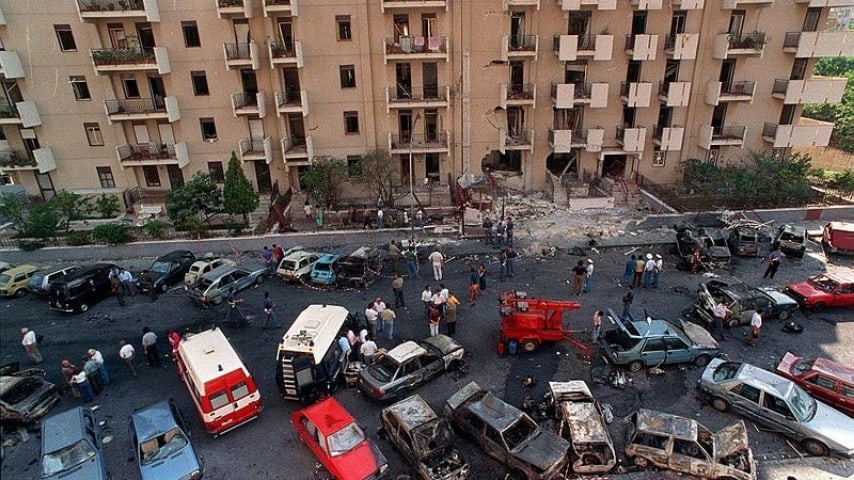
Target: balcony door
{"x":118,"y":37}
{"x":262,"y":176}
{"x":428,"y":24}
{"x":517,"y":77}
{"x":638,"y":23}
{"x":430,"y":79}
{"x":811,"y":20}
{"x":167,"y":135}
{"x":256,"y":131}
{"x":575,"y":72}
{"x":736,"y":22}
{"x":140,"y":133}
{"x":241,"y":32}
{"x":727,"y":73}
{"x":45,"y":185}
{"x":158,"y":91}
{"x":431,"y":125}
{"x":403,"y":80}
{"x":286,"y":30}
{"x":404,"y":123}
{"x":176,"y":176}
{"x":145,"y":35}
{"x":515,"y":121}
{"x":517,"y":29}
{"x":401,"y":26}
{"x":290,"y":77}
{"x":296,"y":127}
{"x":578,"y":24}
{"x":250,"y":85}
{"x":677,"y":22}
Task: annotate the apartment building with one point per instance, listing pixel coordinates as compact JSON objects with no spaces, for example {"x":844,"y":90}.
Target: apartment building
{"x":138,"y":95}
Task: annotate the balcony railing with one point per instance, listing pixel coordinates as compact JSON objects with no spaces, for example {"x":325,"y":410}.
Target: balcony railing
{"x":117,"y":9}
{"x":8,"y":110}
{"x":129,"y":152}
{"x":238,"y":51}
{"x":140,"y":106}
{"x":781,"y":86}
{"x":11,"y":159}
{"x":769,"y":130}
{"x":417,"y":94}
{"x":521,"y":91}
{"x":244,"y":100}
{"x":746,"y":41}
{"x":728,"y":133}
{"x":109,"y":5}
{"x":288,"y":98}
{"x":113,"y":57}
{"x":522,"y":43}
{"x":281,"y":50}
{"x":419,"y":141}
{"x":739,"y":88}
{"x":416,"y":45}
{"x":581,"y":91}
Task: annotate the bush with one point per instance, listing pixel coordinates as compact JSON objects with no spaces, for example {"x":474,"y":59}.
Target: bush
{"x":78,"y":237}
{"x":43,"y":221}
{"x":235,"y":229}
{"x":156,"y":229}
{"x":112,"y":234}
{"x":30,"y":245}
{"x":107,"y":205}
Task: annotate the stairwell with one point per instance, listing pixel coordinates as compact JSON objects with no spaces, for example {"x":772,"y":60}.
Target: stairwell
{"x":259,"y":216}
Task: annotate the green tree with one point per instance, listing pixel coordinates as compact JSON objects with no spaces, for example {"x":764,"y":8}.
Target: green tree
{"x":379,"y":175}
{"x":196,"y":202}
{"x":324,"y":178}
{"x":43,"y":221}
{"x":238,"y":195}
{"x":842,"y":113}
{"x":12,"y":208}
{"x":71,"y":206}
{"x":107,"y":205}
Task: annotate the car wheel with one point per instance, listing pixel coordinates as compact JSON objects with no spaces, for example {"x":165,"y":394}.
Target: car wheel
{"x":259,"y":280}
{"x":517,"y":475}
{"x":814,"y":447}
{"x":818,"y":307}
{"x":163,"y":287}
{"x":20,"y":292}
{"x":635,"y":366}
{"x":83,"y":308}
{"x":641,"y":462}
{"x":702,"y":360}
{"x":720,"y":404}
{"x":785,"y":315}
{"x":529,"y":346}
{"x":733,"y":323}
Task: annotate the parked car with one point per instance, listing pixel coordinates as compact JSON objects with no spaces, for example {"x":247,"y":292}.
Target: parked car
{"x":426,"y":440}
{"x":72,"y":448}
{"x":297,"y":265}
{"x":212,"y":288}
{"x":656,"y":342}
{"x":15,"y":281}
{"x":686,"y":446}
{"x":25,"y":396}
{"x":838,"y":237}
{"x":338,"y":442}
{"x":41,"y":280}
{"x":744,"y":241}
{"x":5,"y":266}
{"x":507,"y":434}
{"x":779,"y":404}
{"x":826,"y":380}
{"x":743,"y":300}
{"x":169,"y":269}
{"x":408,"y":365}
{"x":161,"y":443}
{"x":361,"y":268}
{"x":203,"y":266}
{"x":824,"y":290}
{"x":715,"y":243}
{"x":791,"y":239}
{"x":325,"y":269}
{"x":76,"y":291}
{"x":583,"y":425}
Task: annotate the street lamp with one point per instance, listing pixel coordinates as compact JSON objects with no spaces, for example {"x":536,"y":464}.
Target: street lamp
{"x":411,"y":168}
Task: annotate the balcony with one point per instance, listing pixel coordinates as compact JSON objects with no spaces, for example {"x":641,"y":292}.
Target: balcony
{"x":560,"y":140}
{"x":642,"y":47}
{"x":10,"y":65}
{"x":569,"y":48}
{"x":251,"y":150}
{"x":240,"y":55}
{"x":249,"y":104}
{"x":819,"y":44}
{"x":814,"y":90}
{"x":733,"y":4}
{"x":288,"y":7}
{"x":710,"y":136}
{"x":570,"y":95}
{"x":234,"y":8}
{"x":416,"y":48}
{"x":631,"y":139}
{"x":141,"y":109}
{"x":517,"y":95}
{"x":688,"y":4}
{"x":94,"y":10}
{"x":816,"y":134}
{"x":826,"y":3}
{"x":519,"y":46}
{"x":282,"y":54}
{"x":42,"y":161}
{"x":508,"y":4}
{"x":636,"y":94}
{"x":682,"y":46}
{"x":438,"y":142}
{"x":647,"y":4}
{"x":396,"y":5}
{"x":519,"y":140}
{"x":108,"y":60}
{"x":668,"y":138}
{"x":24,"y":114}
{"x":292,"y":102}
{"x":431,"y":96}
{"x":297,"y":151}
{"x":741,"y":91}
{"x":674,"y":94}
{"x":2,"y":17}
{"x":728,"y":45}
{"x":146,"y":155}
{"x":574,"y":5}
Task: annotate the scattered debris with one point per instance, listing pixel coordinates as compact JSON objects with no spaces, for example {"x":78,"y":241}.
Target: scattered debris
{"x":656,"y":371}
{"x":529,"y":381}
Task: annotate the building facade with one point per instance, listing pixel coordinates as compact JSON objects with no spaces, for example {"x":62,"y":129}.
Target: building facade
{"x":119,"y":95}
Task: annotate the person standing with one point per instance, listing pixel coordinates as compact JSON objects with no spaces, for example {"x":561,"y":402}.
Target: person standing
{"x":508,"y":232}
{"x":345,"y":345}
{"x":318,"y":218}
{"x":118,"y":290}
{"x":371,"y":316}
{"x":103,"y":374}
{"x":126,"y":353}
{"x":81,"y":382}
{"x":379,"y":307}
{"x":380,"y":218}
{"x":397,"y":289}
{"x":597,"y":324}
{"x":174,"y":341}
{"x":270,"y":313}
{"x":393,"y":255}
{"x":511,"y":260}
{"x":411,"y":262}
{"x":90,"y":367}
{"x":473,"y":285}
{"x":388,"y":316}
{"x":419,"y":218}
{"x":648,"y":267}
{"x":502,"y":260}
{"x":721,"y":313}
{"x":628,"y":298}
{"x":278,"y":254}
{"x":147,"y":280}
{"x":307,"y":210}
{"x":30,"y":342}
{"x":487,"y":230}
{"x":426,"y":296}
{"x":640,"y":264}
{"x":234,"y":309}
{"x":579,"y":274}
{"x":773,"y":262}
{"x":438,"y":260}
{"x":629,"y":273}
{"x":451,"y":315}
{"x":500,"y":232}
{"x":656,"y":272}
{"x":149,"y":347}
{"x":433,"y":318}
{"x":437,"y":301}
{"x":481,"y":280}
{"x":755,"y":327}
{"x":67,"y":370}
{"x":368,"y":351}
{"x":267,"y":256}
{"x":588,"y":276}
{"x":127,"y":282}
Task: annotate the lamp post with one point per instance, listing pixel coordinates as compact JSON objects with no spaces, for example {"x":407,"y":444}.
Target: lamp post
{"x":411,"y":166}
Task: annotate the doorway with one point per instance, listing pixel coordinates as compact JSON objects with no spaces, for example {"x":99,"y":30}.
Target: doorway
{"x":176,"y":177}
{"x":262,"y":176}
{"x":250,"y":86}
{"x":158,"y":92}
{"x":167,"y":136}
{"x":296,"y":127}
{"x":403,"y":80}
{"x":727,"y":72}
{"x":286,"y":30}
{"x":736,"y":22}
{"x":614,"y":166}
{"x":45,"y":185}
{"x":430,"y":80}
{"x":146,"y":36}
{"x":517,"y":76}
{"x":517,"y":30}
{"x":256,"y":131}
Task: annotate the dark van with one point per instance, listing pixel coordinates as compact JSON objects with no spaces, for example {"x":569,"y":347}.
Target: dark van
{"x":361,"y":268}
{"x":75,"y":292}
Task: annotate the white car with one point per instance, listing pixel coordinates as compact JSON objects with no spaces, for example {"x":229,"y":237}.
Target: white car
{"x":296,"y":265}
{"x":203,"y":266}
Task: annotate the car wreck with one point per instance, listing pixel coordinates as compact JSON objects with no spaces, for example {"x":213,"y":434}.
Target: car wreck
{"x":25,"y":396}
{"x":583,"y":424}
{"x":742,"y":300}
{"x":684,"y":445}
{"x":425,"y":439}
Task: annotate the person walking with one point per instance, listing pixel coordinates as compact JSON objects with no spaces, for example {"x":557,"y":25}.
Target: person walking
{"x":411,"y":262}
{"x":270,"y":313}
{"x":628,"y":298}
{"x":433,"y":319}
{"x":307,"y":211}
{"x":30,"y":342}
{"x":147,"y":282}
{"x":588,"y":276}
{"x":755,"y":327}
{"x":174,"y":341}
{"x":379,"y":307}
{"x":500,"y":232}
{"x":127,"y":282}
{"x":234,"y":309}
{"x":267,"y":256}
{"x":648,"y":267}
{"x":438,"y":260}
{"x":318,"y":218}
{"x":629,"y":272}
{"x":579,"y":274}
{"x":397,"y":290}
{"x":380,"y":218}
{"x":473,"y":285}
{"x":721,"y":313}
{"x":126,"y":353}
{"x":67,"y":371}
{"x":481,"y":280}
{"x":81,"y":382}
{"x":149,"y":347}
{"x":640,"y":265}
{"x":451,"y":315}
{"x":388,"y":316}
{"x":774,"y":262}
{"x":502,"y":260}
{"x":371,"y":316}
{"x":597,"y":324}
{"x":118,"y":290}
{"x":103,"y":374}
{"x":487,"y":231}
{"x":393,"y":255}
{"x":656,"y":271}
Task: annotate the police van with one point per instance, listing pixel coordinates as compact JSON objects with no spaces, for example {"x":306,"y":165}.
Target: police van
{"x":309,"y":360}
{"x":221,"y":386}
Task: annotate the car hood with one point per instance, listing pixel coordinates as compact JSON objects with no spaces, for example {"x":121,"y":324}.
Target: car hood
{"x":829,"y":422}
{"x":88,"y":470}
{"x":780,"y":298}
{"x":543,"y":449}
{"x":805,"y":289}
{"x":730,"y":440}
{"x":360,"y":462}
{"x":177,"y":465}
{"x":789,"y":360}
{"x":699,"y":335}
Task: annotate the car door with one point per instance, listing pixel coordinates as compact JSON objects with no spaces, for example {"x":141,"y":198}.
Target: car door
{"x":843,"y":296}
{"x":821,"y":387}
{"x":677,"y":350}
{"x":315,"y":441}
{"x":413,"y":374}
{"x":493,"y":444}
{"x":653,"y":352}
{"x":745,"y":400}
{"x":775,"y":413}
{"x":689,"y":457}
{"x":242,"y":280}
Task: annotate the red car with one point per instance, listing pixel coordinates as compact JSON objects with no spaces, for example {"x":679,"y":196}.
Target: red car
{"x":338,"y":442}
{"x":826,"y":380}
{"x":824,"y":290}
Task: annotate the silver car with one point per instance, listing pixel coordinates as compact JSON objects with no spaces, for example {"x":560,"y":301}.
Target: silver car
{"x":779,"y":404}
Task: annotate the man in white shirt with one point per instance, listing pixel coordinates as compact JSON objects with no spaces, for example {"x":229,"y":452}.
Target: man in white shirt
{"x":755,"y":326}
{"x":721,"y":313}
{"x":126,"y":353}
{"x":103,"y":375}
{"x":426,"y":296}
{"x":368,"y":351}
{"x":437,"y":259}
{"x":127,"y":282}
{"x":31,"y":345}
{"x":648,"y":268}
{"x":656,"y":271}
{"x":371,"y":317}
{"x":149,"y":347}
{"x":588,"y":276}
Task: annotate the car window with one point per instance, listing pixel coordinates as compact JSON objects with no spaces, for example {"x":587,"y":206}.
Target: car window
{"x":238,"y":274}
{"x":519,"y":432}
{"x":162,"y":446}
{"x":650,"y":440}
{"x":494,"y":436}
{"x":776,"y":404}
{"x":225,"y":280}
{"x":691,"y":449}
{"x":747,"y":392}
{"x":823,"y":382}
{"x":345,"y":439}
{"x":674,"y":343}
{"x":848,"y":288}
{"x":725,"y":371}
{"x":412,"y":366}
{"x":802,"y":404}
{"x":66,"y":458}
{"x":218,"y":400}
{"x":847,"y":391}
{"x":239,"y":391}
{"x":654,"y":345}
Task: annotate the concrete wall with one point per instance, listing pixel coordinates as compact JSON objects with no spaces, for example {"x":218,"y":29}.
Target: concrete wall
{"x":778,"y":216}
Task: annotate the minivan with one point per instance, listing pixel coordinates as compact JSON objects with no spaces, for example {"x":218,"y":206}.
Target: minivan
{"x":360,"y":268}
{"x":792,"y":240}
{"x":14,"y":282}
{"x":77,"y":291}
{"x":72,"y":447}
{"x":838,"y":237}
{"x":41,"y":280}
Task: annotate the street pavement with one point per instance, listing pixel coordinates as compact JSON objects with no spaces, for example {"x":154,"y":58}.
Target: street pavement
{"x":268,"y":448}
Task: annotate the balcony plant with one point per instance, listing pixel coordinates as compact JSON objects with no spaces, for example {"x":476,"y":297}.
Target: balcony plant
{"x":13,"y":160}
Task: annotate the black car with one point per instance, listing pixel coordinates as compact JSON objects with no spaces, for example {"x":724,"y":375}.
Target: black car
{"x":76,"y":291}
{"x":169,"y":269}
{"x":743,"y":300}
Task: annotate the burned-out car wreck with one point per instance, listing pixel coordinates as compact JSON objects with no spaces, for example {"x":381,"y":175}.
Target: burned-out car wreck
{"x":25,"y":396}
{"x":426,"y":440}
{"x":583,"y":424}
{"x":684,"y":445}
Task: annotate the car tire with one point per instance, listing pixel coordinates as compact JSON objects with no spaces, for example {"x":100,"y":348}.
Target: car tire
{"x":818,"y":307}
{"x":815,"y":447}
{"x":702,"y":360}
{"x":83,"y":308}
{"x":640,"y":462}
{"x":517,"y":475}
{"x":785,"y":315}
{"x":528,"y":346}
{"x":733,"y":323}
{"x":163,"y":287}
{"x":635,"y":366}
{"x":20,"y":292}
{"x":720,"y":404}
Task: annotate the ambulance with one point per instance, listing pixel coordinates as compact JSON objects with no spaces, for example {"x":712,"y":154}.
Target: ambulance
{"x":221,"y":386}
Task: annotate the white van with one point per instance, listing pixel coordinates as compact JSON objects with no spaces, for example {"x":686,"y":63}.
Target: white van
{"x":296,"y":265}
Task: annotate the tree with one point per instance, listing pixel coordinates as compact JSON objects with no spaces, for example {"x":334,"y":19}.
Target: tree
{"x":43,"y":221}
{"x":12,"y":208}
{"x":324,"y":178}
{"x":842,"y":113}
{"x":238,"y":195}
{"x":70,"y":206}
{"x":379,"y":174}
{"x":199,"y":197}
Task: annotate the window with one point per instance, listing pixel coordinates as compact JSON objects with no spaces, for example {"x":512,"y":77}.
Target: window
{"x":351,"y":122}
{"x":654,"y":345}
{"x":208,"y":129}
{"x":658,"y":158}
{"x":200,"y":83}
{"x":354,"y":166}
{"x":650,"y":440}
{"x":675,"y":343}
{"x":216,"y":172}
{"x":93,"y":134}
{"x":152,"y":176}
{"x":691,"y":449}
{"x":105,"y":176}
{"x":823,"y":382}
{"x":65,"y":38}
{"x":191,"y":34}
{"x":239,"y":391}
{"x":218,"y":400}
{"x":847,"y":392}
{"x":748,"y":392}
{"x":348,"y":76}
{"x":776,"y":404}
{"x":81,"y":89}
{"x":344,"y":32}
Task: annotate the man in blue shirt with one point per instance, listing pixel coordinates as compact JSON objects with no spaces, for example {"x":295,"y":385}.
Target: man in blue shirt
{"x":270,"y":313}
{"x":773,"y":262}
{"x":234,"y":309}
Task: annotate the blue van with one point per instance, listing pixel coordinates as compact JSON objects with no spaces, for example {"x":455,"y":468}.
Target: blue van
{"x":325,"y":269}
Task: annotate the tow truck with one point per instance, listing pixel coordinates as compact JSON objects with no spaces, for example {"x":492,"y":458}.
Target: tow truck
{"x":532,"y":321}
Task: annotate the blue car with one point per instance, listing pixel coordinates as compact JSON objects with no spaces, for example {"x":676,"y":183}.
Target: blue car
{"x":162,"y":445}
{"x":325,"y":270}
{"x":72,"y":447}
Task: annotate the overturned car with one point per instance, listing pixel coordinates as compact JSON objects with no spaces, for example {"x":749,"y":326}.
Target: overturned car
{"x":583,"y":424}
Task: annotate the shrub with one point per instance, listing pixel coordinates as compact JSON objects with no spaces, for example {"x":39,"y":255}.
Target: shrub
{"x":30,"y":245}
{"x":156,"y":229}
{"x":43,"y":221}
{"x":112,"y":234}
{"x":107,"y":205}
{"x":78,"y":237}
{"x":235,"y":229}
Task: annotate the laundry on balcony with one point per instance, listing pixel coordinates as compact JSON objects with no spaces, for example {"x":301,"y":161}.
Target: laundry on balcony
{"x":434,"y":44}
{"x":419,"y":43}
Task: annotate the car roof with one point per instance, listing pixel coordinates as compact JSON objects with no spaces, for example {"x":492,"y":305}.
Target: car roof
{"x":62,"y":429}
{"x":412,"y":412}
{"x":572,"y":390}
{"x":833,"y":369}
{"x":85,"y":271}
{"x":842,"y":276}
{"x":362,"y":252}
{"x":176,"y":254}
{"x":299,"y":254}
{"x":207,"y":356}
{"x":406,"y":351}
{"x":583,"y":419}
{"x":314,"y":330}
{"x":794,"y":229}
{"x":219,"y":272}
{"x":153,"y":420}
{"x":328,"y":258}
{"x":443,"y":343}
{"x":764,"y":380}
{"x":654,"y":328}
{"x":328,"y":416}
{"x":666,"y":424}
{"x":20,"y":269}
{"x":496,"y":412}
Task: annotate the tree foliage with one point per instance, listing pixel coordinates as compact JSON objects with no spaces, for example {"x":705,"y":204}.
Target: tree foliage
{"x":71,"y":206}
{"x":842,"y":113}
{"x":12,"y":208}
{"x":238,"y":195}
{"x":197,"y":201}
{"x":107,"y":205}
{"x":379,"y":175}
{"x":43,"y":221}
{"x":325,"y":177}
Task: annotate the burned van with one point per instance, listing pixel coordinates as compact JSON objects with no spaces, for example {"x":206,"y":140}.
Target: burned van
{"x":361,"y":268}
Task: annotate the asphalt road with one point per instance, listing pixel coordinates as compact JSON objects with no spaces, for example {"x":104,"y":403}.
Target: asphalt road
{"x":268,"y":448}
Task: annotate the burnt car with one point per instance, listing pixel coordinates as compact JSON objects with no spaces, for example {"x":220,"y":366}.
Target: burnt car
{"x":824,"y":379}
{"x":361,"y":268}
{"x":583,"y":424}
{"x":744,"y":241}
{"x":25,"y":396}
{"x":507,"y":434}
{"x":684,"y":445}
{"x":711,"y":243}
{"x":743,"y":300}
{"x":426,"y":440}
{"x":791,"y":239}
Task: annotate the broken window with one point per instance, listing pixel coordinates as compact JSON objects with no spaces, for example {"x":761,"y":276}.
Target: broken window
{"x":503,"y":162}
{"x":650,"y":440}
{"x":747,"y":392}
